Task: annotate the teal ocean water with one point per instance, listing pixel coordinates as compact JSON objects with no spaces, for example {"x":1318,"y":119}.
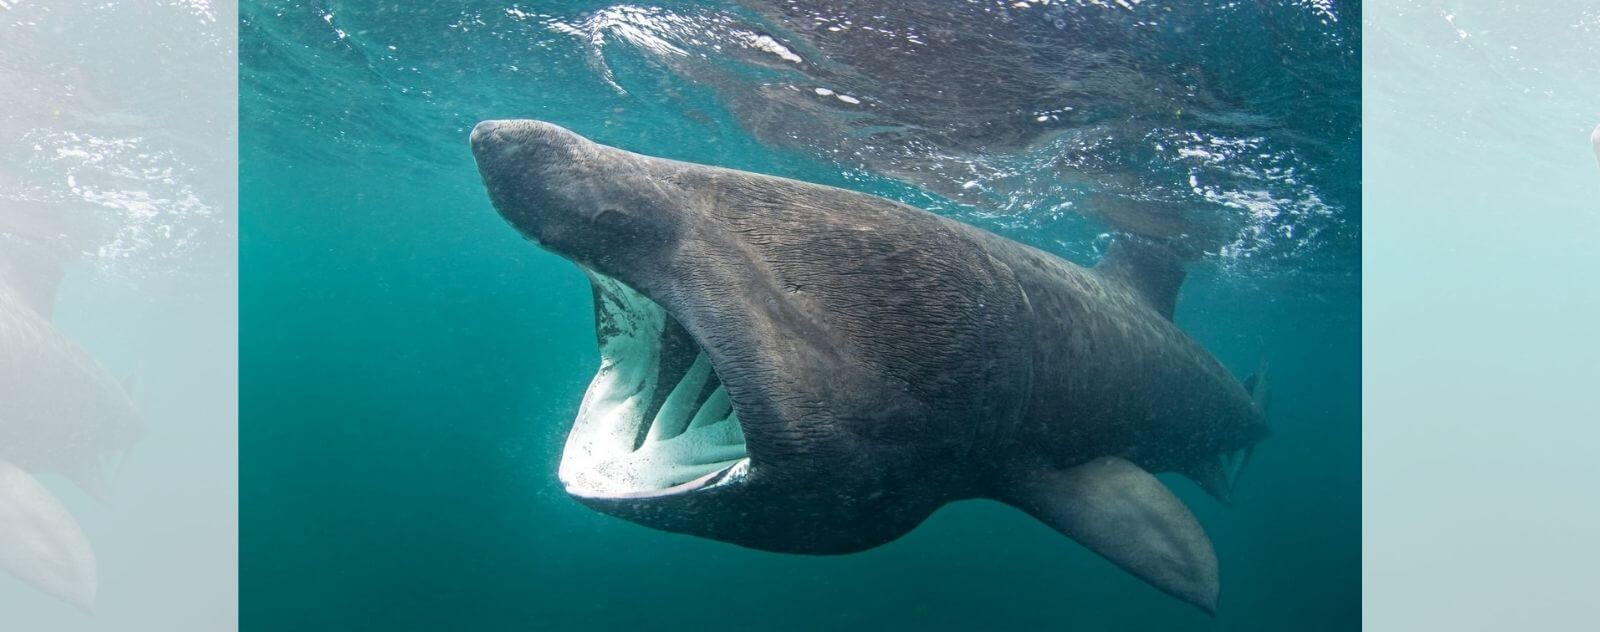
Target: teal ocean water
{"x":117,"y":182}
{"x":410,"y":365}
{"x":1480,"y":162}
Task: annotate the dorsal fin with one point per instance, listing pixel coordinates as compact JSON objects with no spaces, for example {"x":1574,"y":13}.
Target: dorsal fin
{"x":1151,"y":267}
{"x":33,"y":272}
{"x":37,"y":241}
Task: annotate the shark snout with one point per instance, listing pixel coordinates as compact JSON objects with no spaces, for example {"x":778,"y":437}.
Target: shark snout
{"x":482,"y":129}
{"x":491,"y":133}
{"x":578,"y":199}
{"x":521,"y":140}
{"x":522,"y":161}
{"x":494,"y":142}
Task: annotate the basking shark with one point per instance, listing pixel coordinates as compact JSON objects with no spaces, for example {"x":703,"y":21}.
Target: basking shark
{"x":799,"y":368}
{"x":60,"y":412}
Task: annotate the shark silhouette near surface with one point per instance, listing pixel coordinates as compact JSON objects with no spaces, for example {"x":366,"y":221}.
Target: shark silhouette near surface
{"x":61,"y":412}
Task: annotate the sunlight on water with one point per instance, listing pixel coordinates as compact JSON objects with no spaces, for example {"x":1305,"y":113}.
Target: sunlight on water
{"x":1025,"y":145}
{"x":97,"y":167}
{"x":145,"y":197}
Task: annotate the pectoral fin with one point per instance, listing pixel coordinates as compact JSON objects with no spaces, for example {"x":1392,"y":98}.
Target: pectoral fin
{"x":40,"y":543}
{"x":1123,"y":513}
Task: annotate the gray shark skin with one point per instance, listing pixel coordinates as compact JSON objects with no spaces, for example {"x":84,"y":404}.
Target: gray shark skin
{"x":60,"y":412}
{"x":804,"y":369}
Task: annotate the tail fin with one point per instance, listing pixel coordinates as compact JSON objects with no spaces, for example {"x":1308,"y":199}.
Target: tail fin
{"x":1256,"y":384}
{"x":1259,"y":389}
{"x":1217,"y":474}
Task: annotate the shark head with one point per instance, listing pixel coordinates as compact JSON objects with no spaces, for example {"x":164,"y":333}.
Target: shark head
{"x":765,"y":375}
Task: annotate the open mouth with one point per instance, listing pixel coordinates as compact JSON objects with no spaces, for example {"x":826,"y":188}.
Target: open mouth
{"x":656,"y":419}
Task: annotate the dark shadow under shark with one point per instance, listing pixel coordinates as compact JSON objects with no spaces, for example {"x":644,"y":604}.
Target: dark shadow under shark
{"x":799,"y":368}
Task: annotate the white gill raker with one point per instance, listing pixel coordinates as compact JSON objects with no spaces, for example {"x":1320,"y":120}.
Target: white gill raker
{"x":711,"y":443}
{"x":729,"y":431}
{"x":687,"y":472}
{"x":612,"y":411}
{"x":723,"y":432}
{"x":678,"y":408}
{"x":635,"y":352}
{"x":604,"y":419}
{"x":679,"y":459}
{"x":715,"y":409}
{"x":622,"y":408}
{"x":718,"y":453}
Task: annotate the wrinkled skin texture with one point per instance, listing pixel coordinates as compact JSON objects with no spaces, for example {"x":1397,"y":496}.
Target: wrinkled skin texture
{"x":883,"y":360}
{"x":846,"y":402}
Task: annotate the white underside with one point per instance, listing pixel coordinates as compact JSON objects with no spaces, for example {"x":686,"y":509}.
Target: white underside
{"x":684,"y":441}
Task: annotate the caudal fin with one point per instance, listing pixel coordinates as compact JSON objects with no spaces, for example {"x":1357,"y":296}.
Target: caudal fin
{"x":1256,"y":384}
{"x":1125,"y":515}
{"x":1260,"y":392}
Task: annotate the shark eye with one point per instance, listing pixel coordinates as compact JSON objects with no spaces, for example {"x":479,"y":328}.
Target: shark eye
{"x":610,"y":215}
{"x":616,"y":223}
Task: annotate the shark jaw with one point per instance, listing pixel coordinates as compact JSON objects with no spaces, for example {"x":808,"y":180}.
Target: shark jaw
{"x":656,"y":420}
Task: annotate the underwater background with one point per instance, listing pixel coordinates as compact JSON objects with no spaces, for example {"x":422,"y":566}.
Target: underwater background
{"x":118,"y":156}
{"x":1482,"y":183}
{"x":410,"y":365}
